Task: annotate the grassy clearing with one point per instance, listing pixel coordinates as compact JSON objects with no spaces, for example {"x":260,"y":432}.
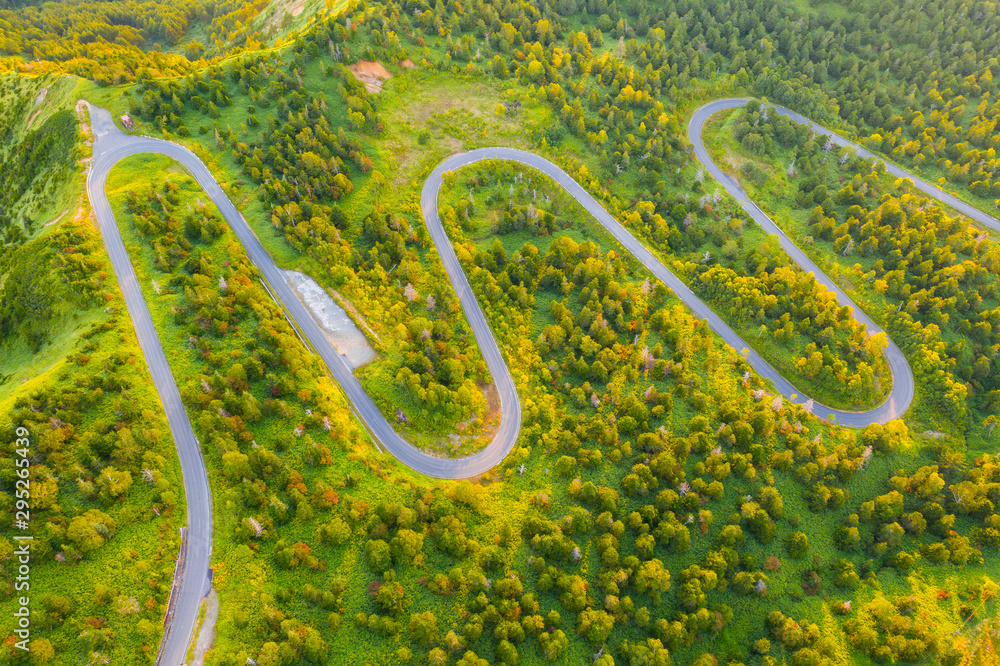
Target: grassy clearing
{"x":24,"y":368}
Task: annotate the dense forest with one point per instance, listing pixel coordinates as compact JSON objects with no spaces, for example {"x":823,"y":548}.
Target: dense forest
{"x":113,"y":42}
{"x":662,"y":505}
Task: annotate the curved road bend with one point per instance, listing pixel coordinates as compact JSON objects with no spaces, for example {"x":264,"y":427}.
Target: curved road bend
{"x":902,"y":385}
{"x":111,"y":145}
{"x":893,"y":407}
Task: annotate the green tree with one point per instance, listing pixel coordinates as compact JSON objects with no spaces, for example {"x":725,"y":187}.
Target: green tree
{"x":424,"y":628}
{"x":470,"y":658}
{"x":379,"y":555}
{"x":113,"y":483}
{"x":42,"y":652}
{"x":336,"y":532}
{"x":596,"y":625}
{"x":91,"y":530}
{"x":391,"y":598}
{"x":236,"y":466}
{"x":797,"y":545}
{"x":407,"y":547}
{"x":553,"y":645}
{"x":237,"y":377}
{"x":314,"y":648}
{"x":270,"y":655}
{"x":506,"y":653}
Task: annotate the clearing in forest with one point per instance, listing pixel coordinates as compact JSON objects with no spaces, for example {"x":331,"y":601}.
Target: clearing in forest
{"x":372,"y":74}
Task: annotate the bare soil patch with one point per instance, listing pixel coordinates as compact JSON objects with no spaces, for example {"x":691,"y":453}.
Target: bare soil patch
{"x":38,"y":102}
{"x":493,"y":408}
{"x":83,"y":215}
{"x":279,"y":18}
{"x":333,"y":319}
{"x":82,"y":116}
{"x":59,"y":217}
{"x":408,"y":64}
{"x":372,"y":74}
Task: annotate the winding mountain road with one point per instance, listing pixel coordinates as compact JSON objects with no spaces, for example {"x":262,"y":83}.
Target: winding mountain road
{"x":111,"y":145}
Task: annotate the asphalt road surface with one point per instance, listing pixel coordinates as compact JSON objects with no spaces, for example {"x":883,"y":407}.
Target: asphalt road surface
{"x":111,"y":145}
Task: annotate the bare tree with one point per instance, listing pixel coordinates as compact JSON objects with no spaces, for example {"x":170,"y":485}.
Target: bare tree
{"x":991,"y":423}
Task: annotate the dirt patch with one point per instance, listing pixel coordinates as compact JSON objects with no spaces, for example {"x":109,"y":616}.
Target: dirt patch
{"x":338,"y":327}
{"x":372,"y":74}
{"x":83,"y":215}
{"x":492,"y":407}
{"x":38,"y":102}
{"x":408,"y":64}
{"x":59,"y":217}
{"x":82,"y":116}
{"x":282,"y":11}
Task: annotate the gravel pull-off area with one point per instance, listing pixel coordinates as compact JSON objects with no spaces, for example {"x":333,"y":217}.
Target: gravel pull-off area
{"x":206,"y":634}
{"x":338,"y":326}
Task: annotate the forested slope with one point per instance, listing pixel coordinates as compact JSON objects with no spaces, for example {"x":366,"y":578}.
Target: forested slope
{"x":38,"y":186}
{"x":114,"y":42}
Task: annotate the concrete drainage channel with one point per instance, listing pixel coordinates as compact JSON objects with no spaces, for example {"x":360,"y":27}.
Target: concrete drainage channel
{"x":333,"y":319}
